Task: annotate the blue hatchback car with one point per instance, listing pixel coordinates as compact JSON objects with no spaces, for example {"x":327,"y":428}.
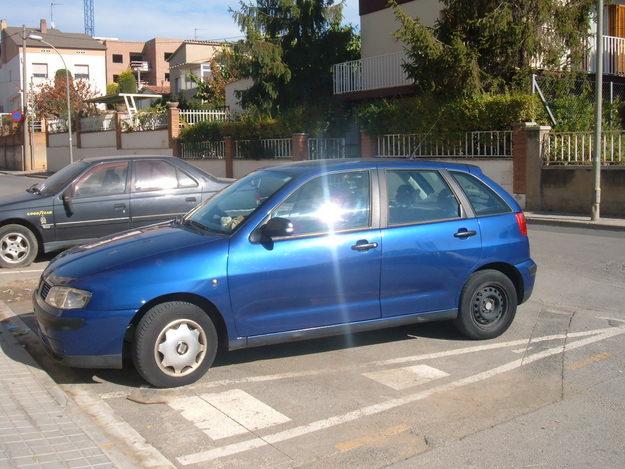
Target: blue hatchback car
{"x":293,"y":252}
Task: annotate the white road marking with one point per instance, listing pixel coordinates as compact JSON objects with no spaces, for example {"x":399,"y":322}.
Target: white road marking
{"x":15,"y":272}
{"x":274,"y":438}
{"x":402,"y":378}
{"x":245,"y":409}
{"x":521,"y":350}
{"x":204,"y":416}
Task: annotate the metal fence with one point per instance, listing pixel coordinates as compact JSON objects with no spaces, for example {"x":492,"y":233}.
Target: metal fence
{"x":478,"y":144}
{"x":577,"y":148}
{"x":140,"y":122}
{"x":203,"y":150}
{"x":57,"y":126}
{"x":325,"y":148}
{"x":192,"y":117}
{"x":97,"y":123}
{"x":370,"y":73}
{"x":278,"y":148}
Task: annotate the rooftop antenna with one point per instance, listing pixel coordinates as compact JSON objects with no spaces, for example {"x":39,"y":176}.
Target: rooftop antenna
{"x":89,"y":18}
{"x":52,"y":5}
{"x":195,"y":30}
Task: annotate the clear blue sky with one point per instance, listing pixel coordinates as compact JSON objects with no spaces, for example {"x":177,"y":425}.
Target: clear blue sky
{"x":132,"y":19}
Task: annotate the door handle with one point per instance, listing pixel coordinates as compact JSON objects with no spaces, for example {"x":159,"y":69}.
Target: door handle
{"x":120,"y":207}
{"x":364,"y":245}
{"x":190,"y":199}
{"x":463,"y":233}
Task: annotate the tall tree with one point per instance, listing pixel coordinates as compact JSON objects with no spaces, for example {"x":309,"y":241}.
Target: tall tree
{"x":289,"y":49}
{"x":50,"y":99}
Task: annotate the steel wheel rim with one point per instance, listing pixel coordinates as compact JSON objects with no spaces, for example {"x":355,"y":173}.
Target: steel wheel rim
{"x":14,"y":248}
{"x":180,"y":348}
{"x":489,"y":304}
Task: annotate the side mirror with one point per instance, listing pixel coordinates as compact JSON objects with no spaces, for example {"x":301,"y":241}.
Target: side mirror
{"x":66,"y":197}
{"x":274,"y":228}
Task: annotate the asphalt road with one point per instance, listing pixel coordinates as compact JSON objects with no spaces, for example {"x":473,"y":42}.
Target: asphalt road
{"x":10,"y":184}
{"x":547,"y":393}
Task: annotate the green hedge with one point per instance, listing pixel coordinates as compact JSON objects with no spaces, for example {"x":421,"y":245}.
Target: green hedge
{"x":418,"y":114}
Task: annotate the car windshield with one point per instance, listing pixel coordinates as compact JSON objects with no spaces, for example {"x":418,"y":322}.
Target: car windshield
{"x":61,"y":178}
{"x":228,"y":209}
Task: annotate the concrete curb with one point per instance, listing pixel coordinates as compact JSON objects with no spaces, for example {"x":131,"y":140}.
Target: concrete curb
{"x":590,"y":225}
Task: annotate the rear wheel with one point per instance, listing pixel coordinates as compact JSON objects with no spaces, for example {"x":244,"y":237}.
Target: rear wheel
{"x":175,"y":344}
{"x":487,"y":305}
{"x":18,"y":246}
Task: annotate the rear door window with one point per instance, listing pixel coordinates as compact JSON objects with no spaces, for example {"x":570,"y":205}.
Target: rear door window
{"x":418,"y":196}
{"x":154,"y":175}
{"x":483,"y":199}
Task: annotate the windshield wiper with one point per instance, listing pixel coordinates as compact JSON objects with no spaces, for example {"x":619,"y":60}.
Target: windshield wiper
{"x":197,"y":224}
{"x":34,"y":189}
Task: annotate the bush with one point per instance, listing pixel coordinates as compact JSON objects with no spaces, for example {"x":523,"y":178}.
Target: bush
{"x":422,"y":114}
{"x":127,"y":82}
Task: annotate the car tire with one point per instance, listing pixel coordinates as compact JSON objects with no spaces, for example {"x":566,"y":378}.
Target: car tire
{"x":175,"y":343}
{"x":488,"y":304}
{"x":18,"y":246}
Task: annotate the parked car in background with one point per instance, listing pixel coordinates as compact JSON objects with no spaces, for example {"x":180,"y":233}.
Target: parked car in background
{"x":292,"y":252}
{"x":96,"y":197}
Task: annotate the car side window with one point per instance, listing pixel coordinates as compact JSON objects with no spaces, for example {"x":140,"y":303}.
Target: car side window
{"x":483,"y":199}
{"x":184,"y":180}
{"x":418,"y":196}
{"x":103,"y":179}
{"x":330,"y":203}
{"x":154,"y":175}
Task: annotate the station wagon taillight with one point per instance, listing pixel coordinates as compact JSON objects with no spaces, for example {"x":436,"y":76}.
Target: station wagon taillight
{"x":520,"y":220}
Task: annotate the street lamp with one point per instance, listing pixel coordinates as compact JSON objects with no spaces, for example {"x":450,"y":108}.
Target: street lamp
{"x":36,"y":37}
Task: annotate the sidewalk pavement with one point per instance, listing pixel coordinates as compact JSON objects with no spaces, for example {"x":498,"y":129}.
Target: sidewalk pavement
{"x":574,"y":221}
{"x":36,"y":173}
{"x":39,"y":425}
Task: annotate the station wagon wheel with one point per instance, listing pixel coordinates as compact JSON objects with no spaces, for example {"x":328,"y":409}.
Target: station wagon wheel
{"x":18,"y":246}
{"x":487,"y":305}
{"x":174,"y":344}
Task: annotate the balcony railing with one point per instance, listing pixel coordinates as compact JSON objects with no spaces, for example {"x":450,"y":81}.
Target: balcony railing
{"x":613,"y":55}
{"x":371,"y":73}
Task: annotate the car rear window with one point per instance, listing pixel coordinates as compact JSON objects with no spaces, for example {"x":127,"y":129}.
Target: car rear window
{"x":483,"y":199}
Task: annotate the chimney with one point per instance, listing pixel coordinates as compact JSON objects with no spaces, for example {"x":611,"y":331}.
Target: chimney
{"x":3,"y":24}
{"x":43,"y":26}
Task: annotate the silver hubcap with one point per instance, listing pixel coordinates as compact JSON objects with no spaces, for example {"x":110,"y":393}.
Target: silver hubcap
{"x":180,"y":347}
{"x":14,"y":248}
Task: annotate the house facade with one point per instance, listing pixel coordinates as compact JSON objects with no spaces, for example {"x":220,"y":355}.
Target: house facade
{"x":191,"y":57}
{"x":84,"y":56}
{"x":379,"y":71}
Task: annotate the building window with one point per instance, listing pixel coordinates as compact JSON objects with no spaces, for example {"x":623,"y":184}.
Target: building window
{"x":167,"y":77}
{"x":136,"y":57}
{"x":118,"y":59}
{"x":40,"y":70}
{"x":167,"y":55}
{"x":205,"y":71}
{"x":115,"y":78}
{"x":82,"y":71}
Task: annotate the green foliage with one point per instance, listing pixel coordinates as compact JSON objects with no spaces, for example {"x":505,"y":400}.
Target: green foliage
{"x":61,"y":73}
{"x":112,"y":89}
{"x":127,"y":82}
{"x":479,"y":112}
{"x":289,"y":49}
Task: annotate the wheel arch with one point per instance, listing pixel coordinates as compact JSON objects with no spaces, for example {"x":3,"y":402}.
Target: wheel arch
{"x":207,"y":306}
{"x":27,"y":224}
{"x":509,"y":271}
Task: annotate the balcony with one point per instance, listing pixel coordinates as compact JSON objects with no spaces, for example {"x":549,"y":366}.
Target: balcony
{"x":371,"y":73}
{"x":613,"y":56}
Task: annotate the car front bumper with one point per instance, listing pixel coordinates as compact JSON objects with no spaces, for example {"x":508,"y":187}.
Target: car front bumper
{"x":82,"y":338}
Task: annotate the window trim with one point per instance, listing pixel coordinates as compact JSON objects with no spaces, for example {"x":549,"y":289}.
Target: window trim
{"x":374,"y":204}
{"x":134,"y":172}
{"x":179,"y":170}
{"x":510,"y":209}
{"x":384,"y":207}
{"x":92,"y":168}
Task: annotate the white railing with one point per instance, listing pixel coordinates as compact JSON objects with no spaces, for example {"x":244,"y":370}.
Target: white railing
{"x":57,"y":126}
{"x":203,"y":150}
{"x":577,"y":148}
{"x":192,"y":117}
{"x":613,"y":55}
{"x":477,"y":144}
{"x":324,"y":148}
{"x":382,"y":71}
{"x":264,"y":148}
{"x":97,"y":123}
{"x":140,"y":122}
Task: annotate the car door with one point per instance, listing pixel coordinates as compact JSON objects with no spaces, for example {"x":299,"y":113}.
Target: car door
{"x":326,"y":272}
{"x":160,"y":192}
{"x":430,"y":244}
{"x":95,"y":204}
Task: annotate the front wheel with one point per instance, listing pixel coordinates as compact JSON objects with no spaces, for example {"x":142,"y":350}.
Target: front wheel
{"x":18,"y":246}
{"x":488,"y":304}
{"x":175,"y":344}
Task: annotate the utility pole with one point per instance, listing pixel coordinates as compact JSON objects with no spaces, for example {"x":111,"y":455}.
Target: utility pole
{"x":26,"y":153}
{"x":596,"y":164}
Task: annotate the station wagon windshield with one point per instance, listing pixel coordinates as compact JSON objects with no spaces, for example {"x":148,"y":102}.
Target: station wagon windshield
{"x":227,"y":210}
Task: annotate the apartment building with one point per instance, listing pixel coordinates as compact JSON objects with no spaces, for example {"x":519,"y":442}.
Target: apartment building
{"x":156,"y":52}
{"x":84,"y":56}
{"x":191,"y":57}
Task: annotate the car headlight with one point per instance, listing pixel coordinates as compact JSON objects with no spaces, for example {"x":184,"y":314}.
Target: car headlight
{"x":67,"y":298}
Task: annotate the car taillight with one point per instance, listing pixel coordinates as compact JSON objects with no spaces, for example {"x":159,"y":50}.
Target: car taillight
{"x":520,"y":220}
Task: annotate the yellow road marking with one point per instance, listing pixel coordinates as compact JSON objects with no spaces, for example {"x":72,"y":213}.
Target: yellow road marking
{"x":589,"y":361}
{"x":371,"y":439}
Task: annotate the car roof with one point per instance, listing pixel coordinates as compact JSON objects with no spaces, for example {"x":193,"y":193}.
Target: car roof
{"x":97,"y":159}
{"x":318,"y":166}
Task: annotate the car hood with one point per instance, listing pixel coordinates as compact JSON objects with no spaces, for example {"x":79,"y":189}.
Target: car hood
{"x":23,"y":200}
{"x":127,"y":250}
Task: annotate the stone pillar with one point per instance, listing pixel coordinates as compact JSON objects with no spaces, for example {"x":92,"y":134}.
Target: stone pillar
{"x":173,"y":122}
{"x":368,"y":145}
{"x":534,"y":140}
{"x":44,"y":128}
{"x":229,"y":156}
{"x":299,"y":146}
{"x":118,"y":131}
